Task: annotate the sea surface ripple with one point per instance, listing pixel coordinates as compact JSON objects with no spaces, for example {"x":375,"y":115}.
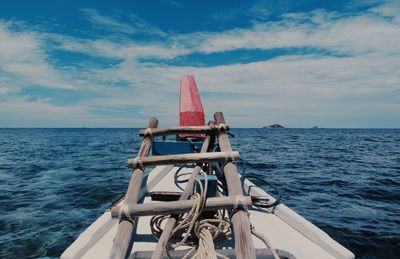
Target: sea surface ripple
{"x":55,"y":182}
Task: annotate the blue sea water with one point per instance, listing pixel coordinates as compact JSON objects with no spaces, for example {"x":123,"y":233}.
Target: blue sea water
{"x":55,"y":182}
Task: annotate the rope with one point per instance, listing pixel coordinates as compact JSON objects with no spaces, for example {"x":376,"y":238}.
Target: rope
{"x":148,"y":133}
{"x":206,"y":246}
{"x":239,"y":200}
{"x":137,"y":162}
{"x":190,"y":219}
{"x":266,"y":241}
{"x":223,"y":127}
{"x":229,"y":158}
{"x":123,"y":212}
{"x":206,"y":230}
{"x":186,"y":221}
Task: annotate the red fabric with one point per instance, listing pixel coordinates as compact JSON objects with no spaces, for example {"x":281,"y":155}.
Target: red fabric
{"x":191,"y":111}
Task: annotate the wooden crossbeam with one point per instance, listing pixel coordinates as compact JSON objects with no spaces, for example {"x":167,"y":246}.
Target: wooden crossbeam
{"x":209,"y":129}
{"x":141,"y":162}
{"x":240,"y":220}
{"x":179,"y":207}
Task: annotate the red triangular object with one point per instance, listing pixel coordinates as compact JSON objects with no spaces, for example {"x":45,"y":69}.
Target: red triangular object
{"x":191,"y":111}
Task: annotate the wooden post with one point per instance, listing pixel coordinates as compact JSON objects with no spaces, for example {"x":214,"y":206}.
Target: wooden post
{"x":170,"y":224}
{"x":240,"y":220}
{"x":184,"y":159}
{"x":123,"y":239}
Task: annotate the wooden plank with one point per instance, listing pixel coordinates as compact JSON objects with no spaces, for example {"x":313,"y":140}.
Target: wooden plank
{"x":209,"y":129}
{"x":228,"y":156}
{"x":179,"y":207}
{"x":123,"y":239}
{"x":170,"y":224}
{"x":240,"y":220}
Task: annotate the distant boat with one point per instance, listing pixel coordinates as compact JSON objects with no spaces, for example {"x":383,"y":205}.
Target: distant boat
{"x":315,"y":127}
{"x":274,"y":126}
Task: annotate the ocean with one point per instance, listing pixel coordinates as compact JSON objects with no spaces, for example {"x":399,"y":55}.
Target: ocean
{"x":55,"y":182}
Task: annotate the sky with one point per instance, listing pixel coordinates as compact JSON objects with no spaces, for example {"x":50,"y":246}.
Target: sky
{"x":118,"y":63}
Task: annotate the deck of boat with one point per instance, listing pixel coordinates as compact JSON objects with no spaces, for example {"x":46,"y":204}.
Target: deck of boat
{"x":286,"y":230}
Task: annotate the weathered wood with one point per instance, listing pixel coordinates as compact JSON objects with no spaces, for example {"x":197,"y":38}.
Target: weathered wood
{"x":184,"y":159}
{"x":240,"y":220}
{"x":263,"y":253}
{"x":123,"y":239}
{"x":179,"y":207}
{"x":170,"y":224}
{"x":210,"y":129}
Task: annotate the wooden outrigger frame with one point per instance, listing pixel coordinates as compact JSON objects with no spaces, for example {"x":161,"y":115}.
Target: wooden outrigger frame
{"x":130,"y":208}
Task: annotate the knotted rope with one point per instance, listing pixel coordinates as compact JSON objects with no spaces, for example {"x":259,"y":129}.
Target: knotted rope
{"x":207,"y":230}
{"x":148,"y":133}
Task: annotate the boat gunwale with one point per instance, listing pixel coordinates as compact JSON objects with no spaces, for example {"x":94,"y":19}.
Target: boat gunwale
{"x":281,"y":211}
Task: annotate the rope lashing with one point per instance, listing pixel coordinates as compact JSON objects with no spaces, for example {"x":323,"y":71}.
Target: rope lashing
{"x":148,"y":133}
{"x":223,"y":127}
{"x":239,"y":202}
{"x":137,"y":162}
{"x":124,"y":212}
{"x":229,"y":158}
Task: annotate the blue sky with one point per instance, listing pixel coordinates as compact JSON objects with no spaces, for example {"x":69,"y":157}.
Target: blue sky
{"x":117,"y":63}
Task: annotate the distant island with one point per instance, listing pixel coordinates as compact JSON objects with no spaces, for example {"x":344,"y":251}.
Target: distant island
{"x":274,"y":126}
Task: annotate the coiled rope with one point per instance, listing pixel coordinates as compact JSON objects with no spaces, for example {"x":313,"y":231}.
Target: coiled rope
{"x":206,"y":230}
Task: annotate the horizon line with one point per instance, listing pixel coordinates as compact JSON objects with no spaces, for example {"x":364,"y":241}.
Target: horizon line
{"x":230,"y":127}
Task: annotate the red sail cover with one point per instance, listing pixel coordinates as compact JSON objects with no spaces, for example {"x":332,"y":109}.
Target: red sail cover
{"x":191,"y":111}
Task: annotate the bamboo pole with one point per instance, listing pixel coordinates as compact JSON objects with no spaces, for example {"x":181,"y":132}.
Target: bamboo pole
{"x":244,"y":246}
{"x":209,"y":129}
{"x":184,"y":159}
{"x":180,"y":206}
{"x":170,"y":224}
{"x":123,"y":239}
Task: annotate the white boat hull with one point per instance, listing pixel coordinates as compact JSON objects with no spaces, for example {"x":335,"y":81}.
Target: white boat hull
{"x":285,"y":229}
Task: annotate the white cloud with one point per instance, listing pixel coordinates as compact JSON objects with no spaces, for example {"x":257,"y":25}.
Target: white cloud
{"x":21,"y":112}
{"x":389,"y":10}
{"x":301,"y":90}
{"x":135,"y":24}
{"x":23,"y":61}
{"x":377,"y":30}
{"x":123,"y":49}
{"x":134,"y":50}
{"x":369,"y":32}
{"x":17,"y":46}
